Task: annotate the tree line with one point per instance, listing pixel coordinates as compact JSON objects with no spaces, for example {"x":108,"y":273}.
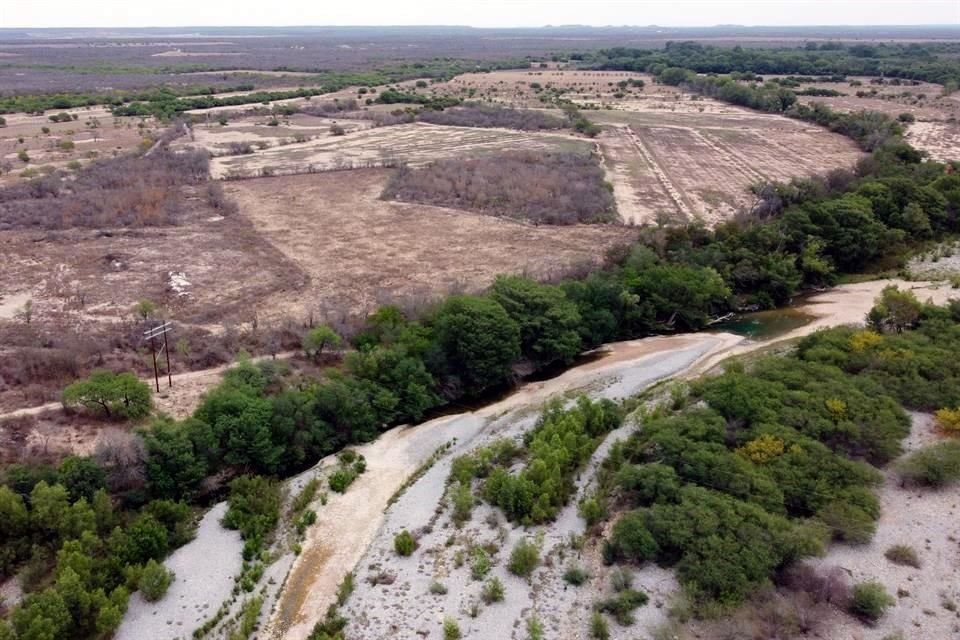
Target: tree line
{"x":929,"y":62}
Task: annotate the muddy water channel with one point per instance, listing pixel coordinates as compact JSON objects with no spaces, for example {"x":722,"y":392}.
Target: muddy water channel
{"x":766,"y":325}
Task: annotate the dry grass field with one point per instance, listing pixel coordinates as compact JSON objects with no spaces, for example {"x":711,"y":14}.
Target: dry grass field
{"x":358,"y":251}
{"x":685,"y":165}
{"x":413,"y":144}
{"x":521,"y":87}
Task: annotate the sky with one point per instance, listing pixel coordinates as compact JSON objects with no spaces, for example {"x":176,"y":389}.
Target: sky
{"x":477,"y":13}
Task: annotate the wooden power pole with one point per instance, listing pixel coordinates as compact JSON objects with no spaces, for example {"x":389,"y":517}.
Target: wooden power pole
{"x":152,"y":335}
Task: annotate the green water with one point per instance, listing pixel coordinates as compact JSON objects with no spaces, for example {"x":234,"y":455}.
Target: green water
{"x":764,"y":325}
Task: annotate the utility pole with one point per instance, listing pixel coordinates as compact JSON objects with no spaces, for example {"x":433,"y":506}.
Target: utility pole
{"x":151,"y":335}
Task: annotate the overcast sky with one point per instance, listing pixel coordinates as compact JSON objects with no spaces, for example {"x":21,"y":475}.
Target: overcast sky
{"x":479,"y":13}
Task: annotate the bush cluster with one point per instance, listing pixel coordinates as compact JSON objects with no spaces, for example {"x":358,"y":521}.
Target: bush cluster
{"x":544,"y":187}
{"x":485,"y":115}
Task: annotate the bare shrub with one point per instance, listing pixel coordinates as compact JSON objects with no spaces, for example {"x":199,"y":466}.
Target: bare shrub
{"x":481,"y":115}
{"x":218,"y":200}
{"x":326,"y":108}
{"x":33,"y":365}
{"x":127,"y":191}
{"x":380,"y":118}
{"x":239,"y":148}
{"x":543,"y":187}
{"x":829,"y":585}
{"x":124,"y":457}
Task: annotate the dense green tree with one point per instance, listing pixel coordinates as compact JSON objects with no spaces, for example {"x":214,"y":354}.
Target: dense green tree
{"x":174,"y":466}
{"x":404,"y":376}
{"x":82,"y":477}
{"x":115,"y":395}
{"x":42,"y":616}
{"x":14,"y":523}
{"x":547,"y":320}
{"x":895,"y":309}
{"x":479,"y":340}
{"x":146,"y":538}
{"x":48,"y":505}
{"x":318,"y":339}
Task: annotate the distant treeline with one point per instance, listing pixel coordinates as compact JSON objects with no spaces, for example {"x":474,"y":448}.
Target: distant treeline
{"x":165,"y":102}
{"x":926,"y":62}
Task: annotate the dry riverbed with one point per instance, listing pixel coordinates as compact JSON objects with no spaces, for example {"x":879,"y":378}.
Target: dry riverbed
{"x":354,"y":531}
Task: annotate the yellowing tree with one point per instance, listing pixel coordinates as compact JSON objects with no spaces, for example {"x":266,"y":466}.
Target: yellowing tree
{"x":762,"y":449}
{"x":949,"y":420}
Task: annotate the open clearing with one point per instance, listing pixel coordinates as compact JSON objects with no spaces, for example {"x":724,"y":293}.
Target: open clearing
{"x":686,"y":164}
{"x":413,"y":144}
{"x":359,"y":251}
{"x":925,"y":519}
{"x":935,"y":131}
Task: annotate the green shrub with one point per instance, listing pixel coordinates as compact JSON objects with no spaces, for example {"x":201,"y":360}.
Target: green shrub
{"x":462,"y":500}
{"x":575,"y":575}
{"x":621,"y":579}
{"x":254,"y":510}
{"x":631,"y":540}
{"x":451,"y":630}
{"x":534,"y":629}
{"x":345,"y":590}
{"x":404,"y":544}
{"x":936,"y":466}
{"x":437,"y":588}
{"x":524,"y":558}
{"x":848,"y":523}
{"x":342,"y":478}
{"x":154,"y":580}
{"x":306,"y":495}
{"x":903,"y":554}
{"x":592,"y":511}
{"x":599,"y":629}
{"x":479,"y":563}
{"x":493,"y":591}
{"x":306,"y":519}
{"x":622,"y":605}
{"x":870,"y":601}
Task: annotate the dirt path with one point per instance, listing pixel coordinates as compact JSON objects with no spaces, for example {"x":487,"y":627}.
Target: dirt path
{"x":178,"y":401}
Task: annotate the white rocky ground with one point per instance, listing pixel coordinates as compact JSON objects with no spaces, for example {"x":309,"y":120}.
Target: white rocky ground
{"x":205,"y":569}
{"x":927,"y":520}
{"x":407,"y":609}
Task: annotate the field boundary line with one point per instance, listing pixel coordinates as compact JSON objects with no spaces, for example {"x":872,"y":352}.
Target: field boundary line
{"x":730,"y":156}
{"x":662,"y":176}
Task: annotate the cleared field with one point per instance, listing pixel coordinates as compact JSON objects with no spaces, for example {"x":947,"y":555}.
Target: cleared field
{"x":939,"y":139}
{"x":359,"y":251}
{"x":413,"y":144}
{"x":208,"y":270}
{"x":48,"y":145}
{"x":935,"y":131}
{"x":686,"y":163}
